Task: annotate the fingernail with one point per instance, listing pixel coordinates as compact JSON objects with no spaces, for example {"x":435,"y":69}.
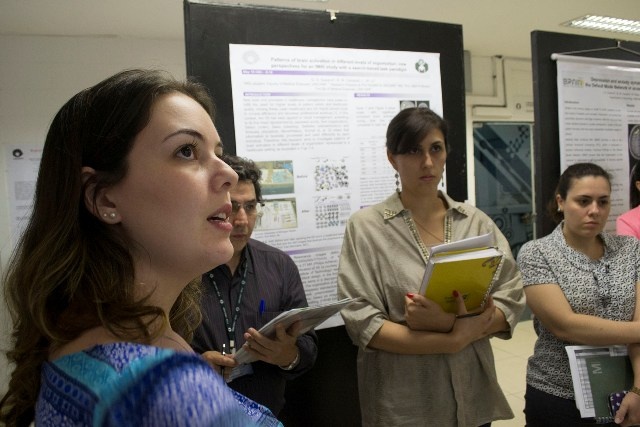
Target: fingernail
{"x":410,"y":295}
{"x":455,"y":294}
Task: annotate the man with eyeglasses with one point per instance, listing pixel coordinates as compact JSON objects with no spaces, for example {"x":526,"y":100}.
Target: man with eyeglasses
{"x":239,"y":297}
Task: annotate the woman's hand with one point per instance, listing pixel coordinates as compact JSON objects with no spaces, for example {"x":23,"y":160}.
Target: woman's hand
{"x":629,"y":412}
{"x":472,"y":328}
{"x":422,"y":314}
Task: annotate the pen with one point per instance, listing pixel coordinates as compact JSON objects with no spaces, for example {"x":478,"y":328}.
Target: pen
{"x":223,"y":353}
{"x":262,"y":306}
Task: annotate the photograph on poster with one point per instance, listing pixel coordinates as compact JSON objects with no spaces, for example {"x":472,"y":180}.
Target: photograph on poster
{"x":634,"y":142}
{"x":277,"y":177}
{"x":634,"y":162}
{"x":278,"y":214}
{"x":411,"y":104}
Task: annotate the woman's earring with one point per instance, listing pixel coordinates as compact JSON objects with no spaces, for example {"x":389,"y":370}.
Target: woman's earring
{"x":397,"y":183}
{"x":110,"y":215}
{"x":559,"y":210}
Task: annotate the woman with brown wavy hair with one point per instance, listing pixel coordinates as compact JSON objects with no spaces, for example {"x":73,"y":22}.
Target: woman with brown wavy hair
{"x":131,"y":204}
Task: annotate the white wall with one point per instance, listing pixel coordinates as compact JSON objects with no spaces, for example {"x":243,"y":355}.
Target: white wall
{"x":37,"y":76}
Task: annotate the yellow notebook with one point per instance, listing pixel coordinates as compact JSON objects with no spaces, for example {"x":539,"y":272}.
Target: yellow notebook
{"x":464,"y":267}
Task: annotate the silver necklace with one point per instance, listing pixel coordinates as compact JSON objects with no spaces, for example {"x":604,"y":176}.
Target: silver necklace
{"x":430,"y":233}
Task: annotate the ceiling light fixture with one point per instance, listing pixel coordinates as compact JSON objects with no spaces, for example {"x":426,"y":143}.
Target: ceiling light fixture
{"x":605,"y":23}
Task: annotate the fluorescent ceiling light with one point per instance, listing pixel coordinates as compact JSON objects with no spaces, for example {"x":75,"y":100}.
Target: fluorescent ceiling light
{"x":605,"y":23}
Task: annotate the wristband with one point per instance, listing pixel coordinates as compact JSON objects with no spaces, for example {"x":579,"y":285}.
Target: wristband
{"x":455,"y":317}
{"x":635,"y":390}
{"x":295,"y":363}
{"x":462,"y":316}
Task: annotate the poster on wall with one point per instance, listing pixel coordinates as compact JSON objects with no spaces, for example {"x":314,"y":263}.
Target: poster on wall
{"x":23,"y":161}
{"x":599,"y":120}
{"x":314,"y":119}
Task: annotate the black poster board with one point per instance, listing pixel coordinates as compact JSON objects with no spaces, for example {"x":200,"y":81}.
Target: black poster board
{"x":546,"y":140}
{"x":327,"y":395}
{"x":210,"y":28}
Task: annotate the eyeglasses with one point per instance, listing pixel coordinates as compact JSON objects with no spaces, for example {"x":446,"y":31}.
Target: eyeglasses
{"x":251,"y":208}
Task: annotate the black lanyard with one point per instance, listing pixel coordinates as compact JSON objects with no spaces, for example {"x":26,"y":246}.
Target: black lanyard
{"x":231,"y":327}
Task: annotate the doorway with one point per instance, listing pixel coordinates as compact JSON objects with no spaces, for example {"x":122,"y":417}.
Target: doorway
{"x":504,"y":191}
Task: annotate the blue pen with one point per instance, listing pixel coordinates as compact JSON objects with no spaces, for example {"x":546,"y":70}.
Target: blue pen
{"x":262,"y":306}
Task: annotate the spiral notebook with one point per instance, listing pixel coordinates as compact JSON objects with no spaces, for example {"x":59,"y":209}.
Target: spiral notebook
{"x":469,"y":266}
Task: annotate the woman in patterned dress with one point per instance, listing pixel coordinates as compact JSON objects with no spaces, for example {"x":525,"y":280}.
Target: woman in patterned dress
{"x":131,"y":204}
{"x":581,"y":285}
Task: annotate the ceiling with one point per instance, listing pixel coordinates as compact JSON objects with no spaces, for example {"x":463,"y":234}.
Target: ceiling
{"x":490,"y":27}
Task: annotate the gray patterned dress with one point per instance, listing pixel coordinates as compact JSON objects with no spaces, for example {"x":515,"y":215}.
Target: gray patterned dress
{"x":605,"y":288}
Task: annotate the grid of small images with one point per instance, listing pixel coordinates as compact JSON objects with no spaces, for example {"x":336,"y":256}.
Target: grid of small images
{"x":332,"y":211}
{"x":332,"y":208}
{"x":331,"y":175}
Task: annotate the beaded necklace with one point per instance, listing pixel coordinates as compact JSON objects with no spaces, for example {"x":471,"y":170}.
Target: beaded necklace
{"x":424,"y":250}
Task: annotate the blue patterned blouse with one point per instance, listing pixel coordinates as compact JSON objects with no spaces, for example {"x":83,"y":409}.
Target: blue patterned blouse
{"x":127,"y":384}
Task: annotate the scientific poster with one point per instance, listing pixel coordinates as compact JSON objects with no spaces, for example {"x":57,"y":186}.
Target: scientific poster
{"x":315,"y":120}
{"x":599,"y":120}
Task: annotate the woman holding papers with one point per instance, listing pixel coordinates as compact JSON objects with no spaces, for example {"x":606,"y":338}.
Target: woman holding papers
{"x":418,"y":365}
{"x":580,"y":283}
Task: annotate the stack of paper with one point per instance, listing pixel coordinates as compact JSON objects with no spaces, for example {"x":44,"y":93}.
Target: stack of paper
{"x":309,"y":316}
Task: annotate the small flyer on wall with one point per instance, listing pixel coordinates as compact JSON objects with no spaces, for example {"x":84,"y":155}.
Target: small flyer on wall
{"x":314,"y":119}
{"x":23,"y":161}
